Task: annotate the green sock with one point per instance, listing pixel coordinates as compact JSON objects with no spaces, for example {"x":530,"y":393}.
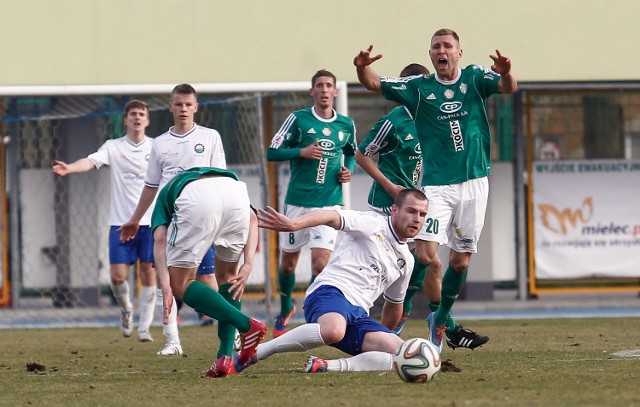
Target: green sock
{"x":203,"y":299}
{"x":451,"y":325}
{"x":226,"y":331}
{"x":286,"y":292}
{"x":415,"y":283}
{"x":452,"y":283}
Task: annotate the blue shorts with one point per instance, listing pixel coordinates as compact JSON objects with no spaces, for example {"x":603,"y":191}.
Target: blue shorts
{"x":140,"y":247}
{"x":207,"y":265}
{"x":327,"y":299}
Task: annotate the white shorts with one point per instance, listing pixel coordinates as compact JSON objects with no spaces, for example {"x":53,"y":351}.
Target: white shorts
{"x":319,"y":237}
{"x":209,"y":212}
{"x":456,"y":214}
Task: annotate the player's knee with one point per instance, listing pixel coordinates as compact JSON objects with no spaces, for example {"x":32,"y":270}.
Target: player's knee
{"x":331,"y":334}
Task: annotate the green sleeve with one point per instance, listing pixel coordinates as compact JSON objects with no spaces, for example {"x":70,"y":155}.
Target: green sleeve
{"x":282,"y":154}
{"x":350,"y":162}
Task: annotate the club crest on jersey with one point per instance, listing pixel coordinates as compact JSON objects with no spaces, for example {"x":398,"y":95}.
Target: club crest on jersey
{"x":326,"y":131}
{"x":448,"y":93}
{"x":146,"y":157}
{"x":401,"y":263}
{"x":463,"y":88}
{"x":199,"y":148}
{"x":380,"y":238}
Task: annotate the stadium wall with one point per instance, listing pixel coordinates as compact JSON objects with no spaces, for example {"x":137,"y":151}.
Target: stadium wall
{"x":60,"y":42}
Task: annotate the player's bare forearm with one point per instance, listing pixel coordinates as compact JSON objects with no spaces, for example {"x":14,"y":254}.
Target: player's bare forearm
{"x":370,"y":167}
{"x":82,"y":165}
{"x":391,"y":313}
{"x":269,"y":218}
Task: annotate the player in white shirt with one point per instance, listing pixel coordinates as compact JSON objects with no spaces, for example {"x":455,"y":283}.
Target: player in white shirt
{"x":127,"y":157}
{"x":371,"y":260}
{"x":185,"y":145}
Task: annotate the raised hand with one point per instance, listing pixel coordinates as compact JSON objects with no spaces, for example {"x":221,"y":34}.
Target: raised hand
{"x":501,"y":63}
{"x":364,"y":58}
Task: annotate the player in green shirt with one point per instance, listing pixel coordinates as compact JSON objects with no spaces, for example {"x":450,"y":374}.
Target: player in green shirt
{"x":452,"y":123}
{"x":319,"y":144}
{"x":199,"y":208}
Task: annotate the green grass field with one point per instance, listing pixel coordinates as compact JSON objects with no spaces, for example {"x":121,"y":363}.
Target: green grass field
{"x":552,"y":362}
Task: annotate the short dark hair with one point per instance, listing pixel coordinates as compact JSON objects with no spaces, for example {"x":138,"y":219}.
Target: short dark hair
{"x":446,"y":31}
{"x":320,"y":73}
{"x":135,"y":104}
{"x":402,"y":196}
{"x":414,"y":69}
{"x":184,"y":89}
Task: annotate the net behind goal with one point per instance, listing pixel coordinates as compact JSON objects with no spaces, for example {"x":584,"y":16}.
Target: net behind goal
{"x":55,"y":245}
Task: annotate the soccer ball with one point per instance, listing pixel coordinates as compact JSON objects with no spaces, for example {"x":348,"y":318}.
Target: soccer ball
{"x":417,"y":361}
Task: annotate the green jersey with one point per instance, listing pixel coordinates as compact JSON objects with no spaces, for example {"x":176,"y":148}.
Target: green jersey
{"x":165,"y":209}
{"x":395,"y":139}
{"x":451,"y":120}
{"x":314,"y":183}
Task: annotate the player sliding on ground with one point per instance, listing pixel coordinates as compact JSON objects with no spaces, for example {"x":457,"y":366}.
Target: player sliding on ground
{"x":371,"y":260}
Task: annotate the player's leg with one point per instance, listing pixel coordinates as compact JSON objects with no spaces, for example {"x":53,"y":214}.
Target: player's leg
{"x":371,"y":344}
{"x":170,"y":329}
{"x":286,"y":284}
{"x":463,"y":241}
{"x":121,"y":255}
{"x":206,"y":275}
{"x":147,"y":298}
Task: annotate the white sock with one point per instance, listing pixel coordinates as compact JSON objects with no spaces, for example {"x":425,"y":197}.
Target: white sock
{"x":171,"y":329}
{"x":121,"y":294}
{"x":364,"y":362}
{"x":146,"y":303}
{"x":299,"y":339}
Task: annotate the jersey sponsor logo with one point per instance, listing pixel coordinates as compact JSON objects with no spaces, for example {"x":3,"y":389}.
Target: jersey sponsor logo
{"x":456,"y":135}
{"x":322,"y":170}
{"x":418,"y":149}
{"x":431,"y":96}
{"x":448,"y":93}
{"x":199,"y":148}
{"x":401,"y":87}
{"x":453,"y":115}
{"x":450,"y":107}
{"x":311,"y":131}
{"x":408,"y":138}
{"x":276,"y":141}
{"x":489,"y":76}
{"x":463,"y":88}
{"x":326,"y":131}
{"x":326,"y":144}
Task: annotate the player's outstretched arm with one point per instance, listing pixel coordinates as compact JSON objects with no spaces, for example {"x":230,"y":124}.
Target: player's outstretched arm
{"x":366,"y":75}
{"x":82,"y":165}
{"x":502,"y":65}
{"x":269,"y":218}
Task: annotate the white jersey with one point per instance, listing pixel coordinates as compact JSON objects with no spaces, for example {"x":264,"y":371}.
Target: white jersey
{"x":128,"y":163}
{"x":368,"y":262}
{"x":173,"y":153}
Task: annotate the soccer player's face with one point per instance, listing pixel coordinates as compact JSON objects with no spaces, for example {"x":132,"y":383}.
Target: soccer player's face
{"x":183,"y":108}
{"x":409,"y":218}
{"x":137,"y":119}
{"x":445,"y":53}
{"x":323,"y":92}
